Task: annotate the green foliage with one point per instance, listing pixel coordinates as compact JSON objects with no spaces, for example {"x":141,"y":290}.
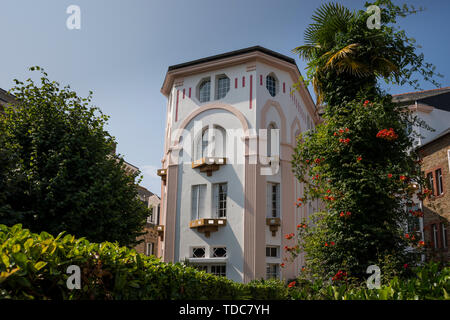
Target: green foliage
{"x":360,"y":161}
{"x":429,"y":282}
{"x":33,"y":266}
{"x":344,"y":55}
{"x":58,"y":170}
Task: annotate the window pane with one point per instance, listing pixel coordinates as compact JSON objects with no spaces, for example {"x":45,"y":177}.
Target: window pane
{"x":219,"y":252}
{"x":271,"y":85}
{"x":205,"y":91}
{"x":431,"y":181}
{"x":223,"y":86}
{"x":439,"y":185}
{"x":198,"y":252}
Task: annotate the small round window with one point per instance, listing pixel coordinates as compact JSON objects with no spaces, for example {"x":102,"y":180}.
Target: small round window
{"x":271,"y":85}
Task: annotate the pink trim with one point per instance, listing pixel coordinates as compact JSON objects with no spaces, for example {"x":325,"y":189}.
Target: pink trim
{"x":184,"y":92}
{"x":251,"y":92}
{"x":170,"y":213}
{"x":235,"y":83}
{"x":241,"y":59}
{"x":265,"y":109}
{"x":284,"y":87}
{"x":243,"y":82}
{"x":217,"y":105}
{"x":260,"y":80}
{"x":189,"y":92}
{"x":176,"y":110}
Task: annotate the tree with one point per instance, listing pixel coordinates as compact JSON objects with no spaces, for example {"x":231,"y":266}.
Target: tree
{"x":359,"y":161}
{"x":58,"y":170}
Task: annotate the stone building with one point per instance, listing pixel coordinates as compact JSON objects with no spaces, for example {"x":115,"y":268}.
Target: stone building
{"x":435,"y":155}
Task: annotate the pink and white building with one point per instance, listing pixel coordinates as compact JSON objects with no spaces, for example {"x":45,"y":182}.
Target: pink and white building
{"x":228,"y":191}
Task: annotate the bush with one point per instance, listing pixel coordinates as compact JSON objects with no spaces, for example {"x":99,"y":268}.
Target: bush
{"x":33,"y":266}
{"x":429,"y":282}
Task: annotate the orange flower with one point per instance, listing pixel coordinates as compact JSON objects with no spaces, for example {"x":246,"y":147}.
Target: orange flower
{"x":342,"y":214}
{"x":292,"y":284}
{"x":407,"y":236}
{"x":282,"y":265}
{"x":359,"y":158}
{"x":402,"y":178}
{"x":389,"y":175}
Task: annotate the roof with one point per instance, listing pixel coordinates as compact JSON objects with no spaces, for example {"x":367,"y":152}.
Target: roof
{"x":5,"y":97}
{"x":418,"y":95}
{"x":233,"y":54}
{"x":439,"y":136}
{"x":144,"y":192}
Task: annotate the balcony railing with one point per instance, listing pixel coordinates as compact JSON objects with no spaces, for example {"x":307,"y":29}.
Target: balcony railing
{"x":209,"y":164}
{"x":207,"y":225}
{"x":273,"y":224}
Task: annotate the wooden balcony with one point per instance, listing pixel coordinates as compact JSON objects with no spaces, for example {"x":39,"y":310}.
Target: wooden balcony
{"x":160,"y":230}
{"x":162,"y":173}
{"x":207,"y":226}
{"x":209,"y":164}
{"x":273,"y":224}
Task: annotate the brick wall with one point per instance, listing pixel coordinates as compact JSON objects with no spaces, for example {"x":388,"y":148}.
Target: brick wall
{"x":150,"y":236}
{"x":437,"y":209}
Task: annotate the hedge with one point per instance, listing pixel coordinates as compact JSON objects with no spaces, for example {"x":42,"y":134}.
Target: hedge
{"x":34,"y":266}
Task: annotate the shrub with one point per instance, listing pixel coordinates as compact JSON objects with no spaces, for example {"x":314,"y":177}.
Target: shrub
{"x":33,"y":266}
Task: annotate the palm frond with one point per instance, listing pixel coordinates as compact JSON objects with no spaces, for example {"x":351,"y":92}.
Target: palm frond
{"x":340,"y":54}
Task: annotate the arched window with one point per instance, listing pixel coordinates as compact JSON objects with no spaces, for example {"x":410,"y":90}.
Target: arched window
{"x":272,"y":140}
{"x":271,"y":84}
{"x":204,"y":91}
{"x":211,"y":143}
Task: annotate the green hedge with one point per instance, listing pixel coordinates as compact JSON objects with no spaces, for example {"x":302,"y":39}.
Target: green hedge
{"x":33,"y":266}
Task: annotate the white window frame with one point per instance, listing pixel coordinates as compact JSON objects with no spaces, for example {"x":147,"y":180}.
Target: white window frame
{"x":221,"y":273}
{"x":219,"y":247}
{"x":223,"y":85}
{"x":204,"y":97}
{"x":195,"y":248}
{"x":220,"y":212}
{"x":277,"y":251}
{"x":273,"y":200}
{"x":272,"y":275}
{"x":150,"y":249}
{"x":444,"y":235}
{"x":273,"y":86}
{"x":434,"y":230}
{"x":198,"y":209}
{"x":439,"y":182}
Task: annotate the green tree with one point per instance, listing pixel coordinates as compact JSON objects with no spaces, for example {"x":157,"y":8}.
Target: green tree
{"x":359,"y":161}
{"x":58,"y":170}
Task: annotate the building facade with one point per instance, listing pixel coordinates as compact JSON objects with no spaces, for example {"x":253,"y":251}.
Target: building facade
{"x":433,"y":107}
{"x":228,"y":190}
{"x":436,"y":166}
{"x":151,"y":238}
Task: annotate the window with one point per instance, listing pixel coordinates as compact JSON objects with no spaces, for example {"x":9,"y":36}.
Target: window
{"x":272,"y":140}
{"x":273,"y":200}
{"x":219,"y":252}
{"x":439,"y":184}
{"x":272,"y":271}
{"x":444,"y":235}
{"x":158,"y":213}
{"x":204,"y":90}
{"x":271,"y":85}
{"x":198,"y":202}
{"x":435,"y":235}
{"x":431,"y":181}
{"x":201,"y":268}
{"x":150,"y":249}
{"x":219,"y":270}
{"x":222,"y":86}
{"x":198,"y":252}
{"x":272,"y":252}
{"x":212,"y":143}
{"x":220,"y":199}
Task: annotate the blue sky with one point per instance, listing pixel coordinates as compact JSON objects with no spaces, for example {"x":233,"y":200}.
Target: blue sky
{"x":123,"y":49}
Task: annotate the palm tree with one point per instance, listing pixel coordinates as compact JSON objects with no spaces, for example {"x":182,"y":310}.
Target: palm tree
{"x":338,"y":42}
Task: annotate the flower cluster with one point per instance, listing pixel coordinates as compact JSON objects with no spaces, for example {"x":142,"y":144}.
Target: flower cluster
{"x":346,"y":214}
{"x":299,"y":202}
{"x":344,"y":141}
{"x":288,"y":249}
{"x":416,"y":213}
{"x":329,"y":198}
{"x":291,"y":284}
{"x":410,"y":236}
{"x":329,"y":245}
{"x":341,"y":132}
{"x":387,"y":134}
{"x":366,"y":103}
{"x":289,"y":236}
{"x":301,"y":225}
{"x":318,"y":160}
{"x":340,"y":275}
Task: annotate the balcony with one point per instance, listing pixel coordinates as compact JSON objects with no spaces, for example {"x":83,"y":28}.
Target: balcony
{"x":162,"y":173}
{"x":209,"y":164}
{"x":207,"y":226}
{"x":273,"y":224}
{"x":160,"y":230}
